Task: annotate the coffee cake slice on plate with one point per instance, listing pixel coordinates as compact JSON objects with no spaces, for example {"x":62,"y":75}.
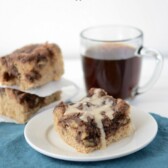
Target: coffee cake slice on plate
{"x":94,"y":122}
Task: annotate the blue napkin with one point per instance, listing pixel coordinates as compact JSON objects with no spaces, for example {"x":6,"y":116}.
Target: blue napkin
{"x":16,"y":153}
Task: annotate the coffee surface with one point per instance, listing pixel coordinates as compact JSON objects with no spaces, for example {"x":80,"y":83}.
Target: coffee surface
{"x":114,"y":68}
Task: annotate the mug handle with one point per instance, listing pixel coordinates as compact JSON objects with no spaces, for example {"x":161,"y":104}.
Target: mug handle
{"x":143,"y":51}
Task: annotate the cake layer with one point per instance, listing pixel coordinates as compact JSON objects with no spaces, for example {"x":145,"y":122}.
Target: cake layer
{"x":32,"y":66}
{"x":21,"y":106}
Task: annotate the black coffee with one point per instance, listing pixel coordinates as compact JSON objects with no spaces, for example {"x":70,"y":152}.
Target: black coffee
{"x":114,"y":68}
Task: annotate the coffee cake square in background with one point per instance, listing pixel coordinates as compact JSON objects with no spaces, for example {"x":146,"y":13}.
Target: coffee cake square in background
{"x":94,"y":122}
{"x":21,"y":106}
{"x":32,"y":66}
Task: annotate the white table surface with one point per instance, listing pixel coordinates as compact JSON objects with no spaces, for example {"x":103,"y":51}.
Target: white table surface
{"x":155,"y":100}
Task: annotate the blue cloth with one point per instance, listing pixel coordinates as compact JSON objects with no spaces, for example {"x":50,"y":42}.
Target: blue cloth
{"x":16,"y":153}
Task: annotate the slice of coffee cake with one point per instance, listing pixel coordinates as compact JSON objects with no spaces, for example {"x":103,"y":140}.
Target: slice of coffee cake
{"x":20,"y":106}
{"x":94,"y":122}
{"x":32,"y":66}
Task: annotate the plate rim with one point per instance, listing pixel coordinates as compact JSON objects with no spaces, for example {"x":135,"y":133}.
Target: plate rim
{"x":86,"y":159}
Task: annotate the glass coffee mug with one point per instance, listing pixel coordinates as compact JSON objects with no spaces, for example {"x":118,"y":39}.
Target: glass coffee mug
{"x":112,"y":57}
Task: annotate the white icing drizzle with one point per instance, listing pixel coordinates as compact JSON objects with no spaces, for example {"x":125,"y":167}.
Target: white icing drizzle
{"x":93,"y":107}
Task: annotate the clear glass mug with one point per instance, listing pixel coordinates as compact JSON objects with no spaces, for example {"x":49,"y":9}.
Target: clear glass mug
{"x":112,"y":57}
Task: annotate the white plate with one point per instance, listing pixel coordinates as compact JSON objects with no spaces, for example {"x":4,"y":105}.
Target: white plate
{"x":40,"y":135}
